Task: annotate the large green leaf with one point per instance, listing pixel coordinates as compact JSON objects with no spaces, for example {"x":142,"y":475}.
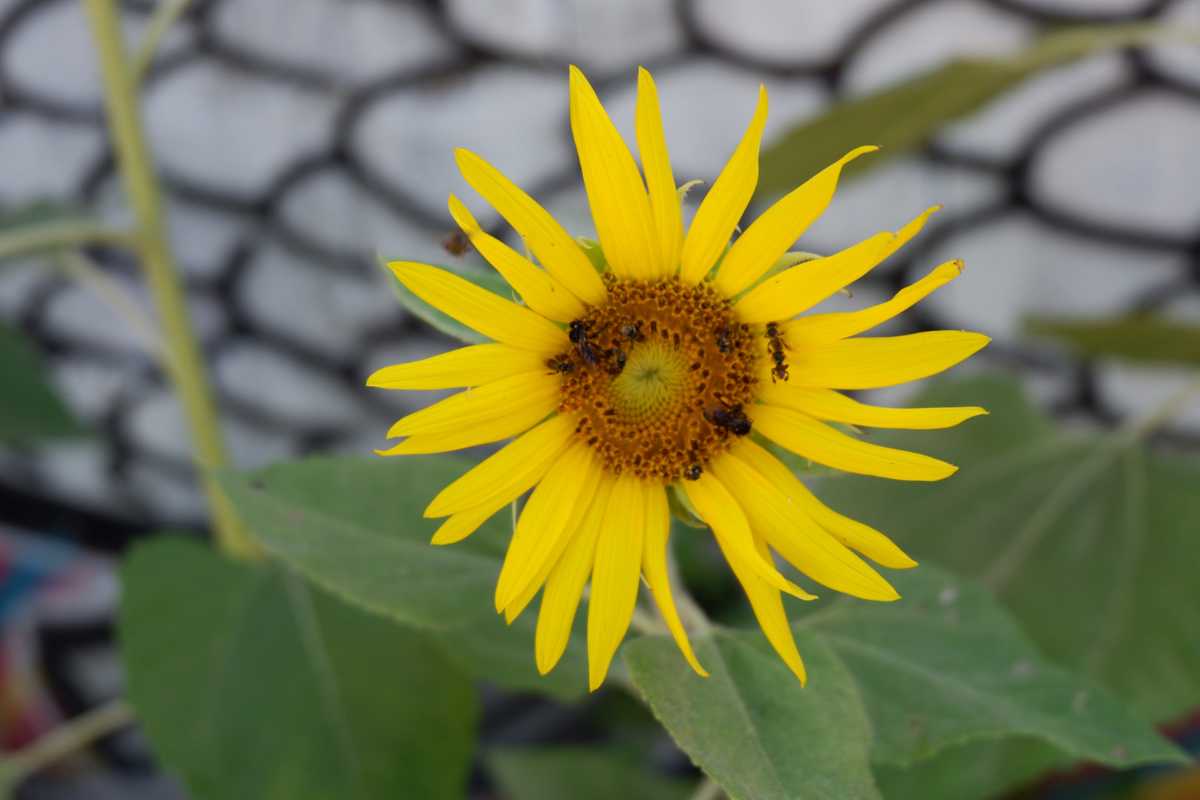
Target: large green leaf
{"x":580,"y":774}
{"x":905,"y":116}
{"x":250,"y":683}
{"x":1137,"y":338}
{"x":946,"y":664}
{"x":894,"y":683}
{"x":354,"y":526}
{"x":29,"y":408}
{"x":749,"y":724}
{"x":483,"y":277}
{"x":1090,"y":540}
{"x":978,"y":770}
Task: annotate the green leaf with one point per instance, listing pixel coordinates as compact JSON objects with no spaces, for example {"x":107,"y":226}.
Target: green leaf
{"x":1137,"y":338}
{"x":750,"y":725}
{"x":903,"y":117}
{"x":252,"y":684}
{"x":580,"y":774}
{"x":29,"y":408}
{"x":355,"y":527}
{"x":979,"y":769}
{"x":1089,"y":540}
{"x":482,"y":277}
{"x":946,"y":664}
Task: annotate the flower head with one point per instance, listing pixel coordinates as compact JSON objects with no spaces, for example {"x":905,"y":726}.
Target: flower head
{"x":666,"y":371}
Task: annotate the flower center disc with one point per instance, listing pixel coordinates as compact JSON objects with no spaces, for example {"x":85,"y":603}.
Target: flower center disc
{"x":658,"y":376}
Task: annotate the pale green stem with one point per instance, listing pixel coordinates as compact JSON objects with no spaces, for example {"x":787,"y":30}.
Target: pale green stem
{"x":60,"y":235}
{"x":62,"y":741}
{"x":186,"y":366}
{"x":1076,"y":42}
{"x":708,"y":790}
{"x":167,"y":13}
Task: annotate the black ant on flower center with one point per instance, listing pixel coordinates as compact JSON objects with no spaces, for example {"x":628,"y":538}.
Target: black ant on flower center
{"x":776,"y":345}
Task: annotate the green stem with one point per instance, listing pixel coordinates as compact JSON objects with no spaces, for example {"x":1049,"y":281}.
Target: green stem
{"x":59,"y":235}
{"x":63,"y":740}
{"x":186,"y":366}
{"x":167,"y":13}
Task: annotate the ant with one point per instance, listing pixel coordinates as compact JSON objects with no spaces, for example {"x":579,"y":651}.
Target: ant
{"x":723,"y":342}
{"x":579,"y":337}
{"x":693,"y":472}
{"x":632,"y":331}
{"x":618,"y":362}
{"x":456,"y":243}
{"x":561,"y":364}
{"x":731,"y":419}
{"x":776,"y":345}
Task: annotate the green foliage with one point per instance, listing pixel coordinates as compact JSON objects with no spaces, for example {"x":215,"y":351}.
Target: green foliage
{"x":250,"y":683}
{"x":905,"y":116}
{"x":29,"y":408}
{"x":354,"y":526}
{"x":481,"y":276}
{"x":1089,"y":540}
{"x":578,"y":773}
{"x":1137,"y":338}
{"x":891,"y":684}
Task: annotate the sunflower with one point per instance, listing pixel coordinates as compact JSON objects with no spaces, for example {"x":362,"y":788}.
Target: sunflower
{"x":665,"y":373}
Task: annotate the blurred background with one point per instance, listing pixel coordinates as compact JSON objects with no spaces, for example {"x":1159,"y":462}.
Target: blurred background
{"x":298,"y":138}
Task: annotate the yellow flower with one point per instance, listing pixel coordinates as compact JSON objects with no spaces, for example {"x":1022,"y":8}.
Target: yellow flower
{"x":664,"y":373}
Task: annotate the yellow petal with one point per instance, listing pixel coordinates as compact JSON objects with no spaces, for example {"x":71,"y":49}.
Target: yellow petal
{"x":773,"y":233}
{"x":852,"y":533}
{"x":654,"y":568}
{"x":881,"y":360}
{"x":801,"y":287}
{"x":564,"y":585}
{"x":488,"y":313}
{"x":767,"y":604}
{"x":826,"y":404}
{"x":615,"y":574}
{"x":557,"y":251}
{"x":466,"y":366}
{"x":616,"y":194}
{"x":818,"y":328}
{"x":818,"y":442}
{"x":509,"y":472}
{"x":461,"y":525}
{"x":725,"y":202}
{"x":797,"y":537}
{"x":550,"y":517}
{"x":721,"y":512}
{"x":660,"y":180}
{"x":482,"y":410}
{"x":540,"y":291}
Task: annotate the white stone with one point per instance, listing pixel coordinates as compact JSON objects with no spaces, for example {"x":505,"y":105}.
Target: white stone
{"x":1001,"y":129}
{"x":321,"y":307}
{"x":514,"y":117}
{"x":351,"y":40}
{"x":1180,"y":60}
{"x":1017,"y":267}
{"x":784,"y":31}
{"x":232,"y":132}
{"x":166,"y":495}
{"x":276,"y":383}
{"x":157,"y":424}
{"x":926,"y":38}
{"x":90,"y":388}
{"x":19,"y":282}
{"x":600,"y":37}
{"x":78,"y":472}
{"x":1139,"y":389}
{"x":889,"y":196}
{"x":1132,"y":165}
{"x":50,"y":53}
{"x":41,"y":160}
{"x":706,"y":107}
{"x":335,"y":212}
